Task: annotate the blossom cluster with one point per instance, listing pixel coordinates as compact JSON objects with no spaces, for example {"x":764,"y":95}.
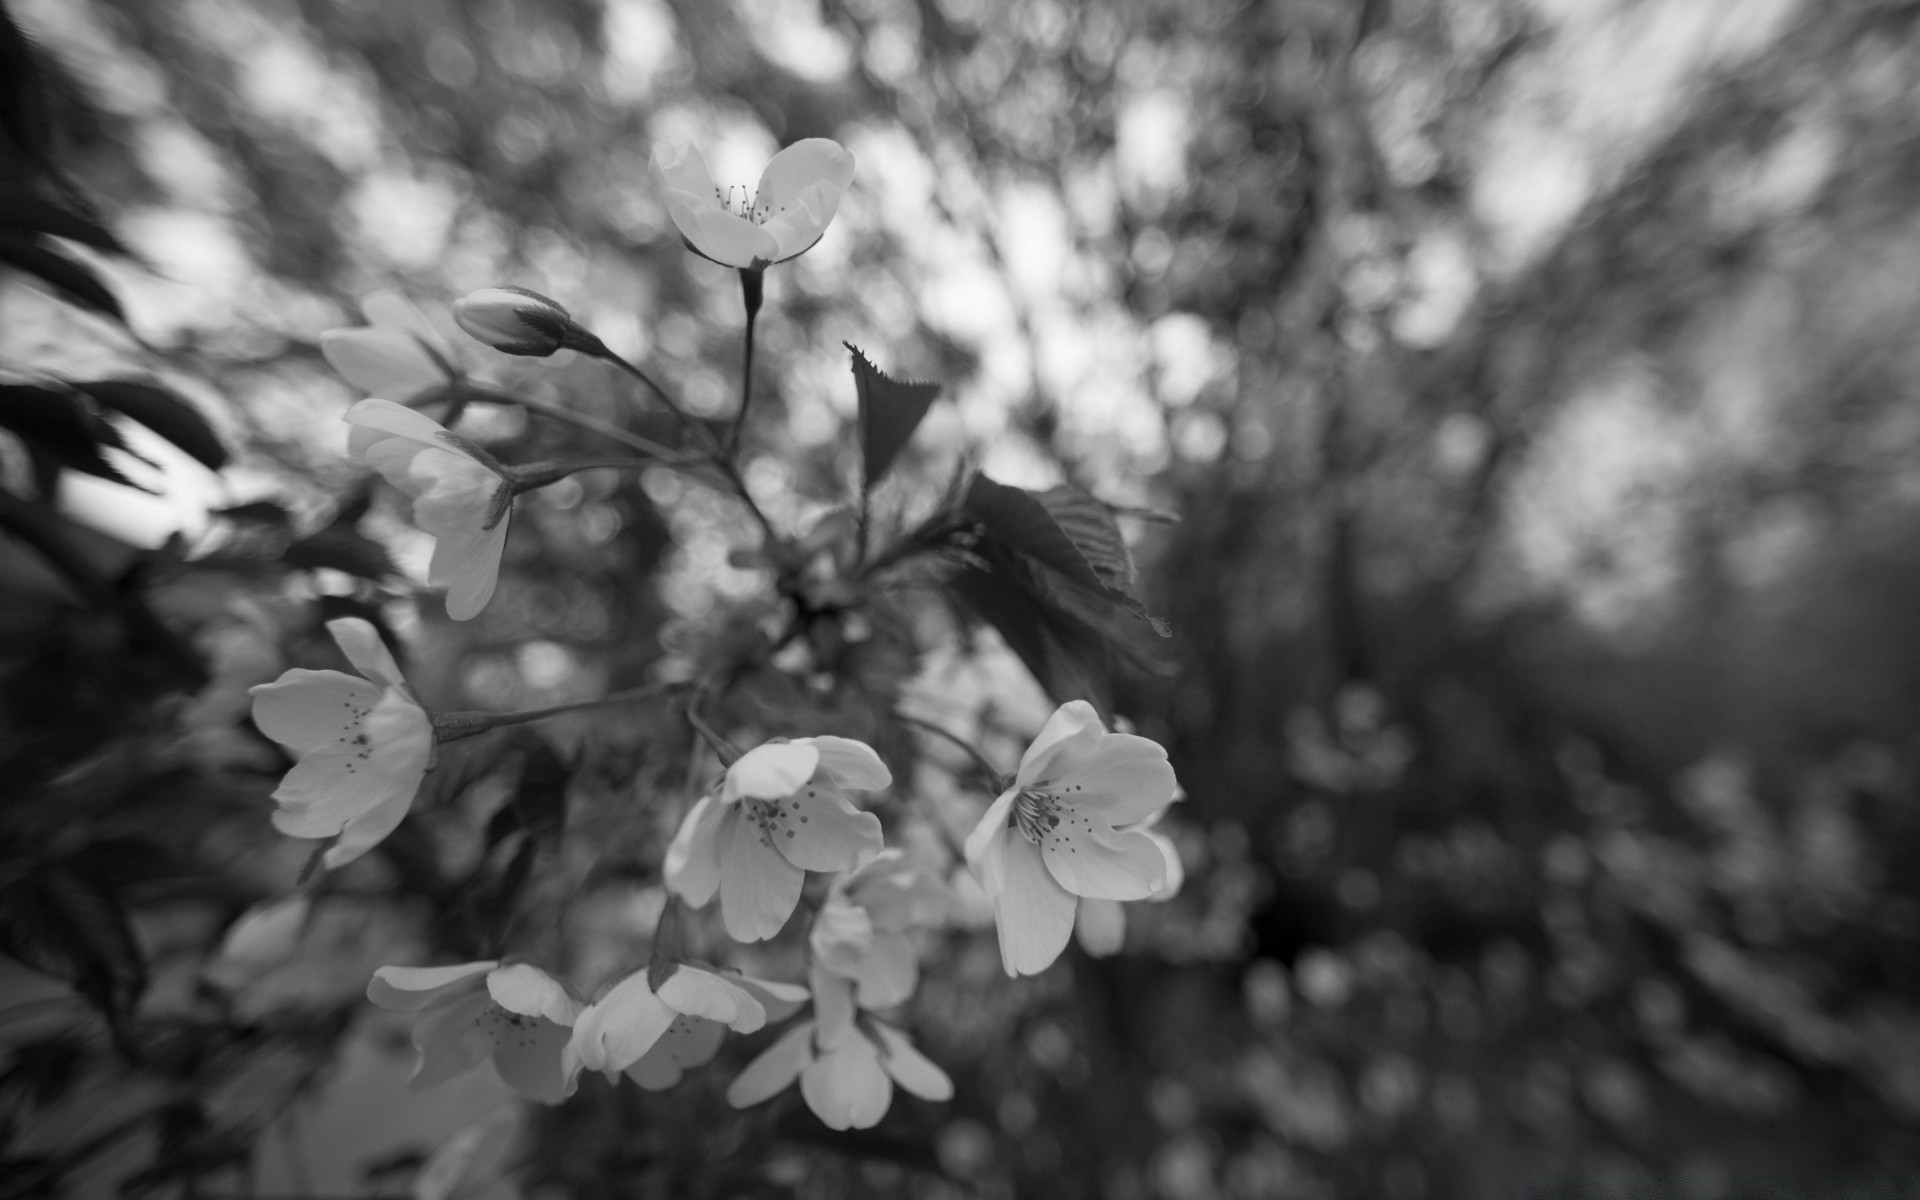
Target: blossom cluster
{"x":1068,"y":839}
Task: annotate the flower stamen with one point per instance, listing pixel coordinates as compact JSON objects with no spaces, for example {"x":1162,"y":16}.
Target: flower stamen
{"x":1036,"y":814}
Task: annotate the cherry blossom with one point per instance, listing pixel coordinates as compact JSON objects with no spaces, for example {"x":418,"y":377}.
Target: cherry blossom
{"x":617,"y":1031}
{"x":1100,"y":926}
{"x":779,"y":814}
{"x":847,"y":1062}
{"x":517,"y":1015}
{"x":1060,"y":833}
{"x":397,"y":356}
{"x":363,"y":744}
{"x":460,"y":495}
{"x":514,"y":320}
{"x":786,"y":214}
{"x":861,"y":932}
{"x":692,"y":1041}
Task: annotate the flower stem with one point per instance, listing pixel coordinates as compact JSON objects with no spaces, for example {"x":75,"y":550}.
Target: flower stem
{"x":751,"y":290}
{"x":566,"y":416}
{"x":726,"y":751}
{"x":451,"y":726}
{"x":981,"y":760}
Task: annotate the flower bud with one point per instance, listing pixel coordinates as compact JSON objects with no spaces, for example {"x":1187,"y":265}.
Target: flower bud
{"x":514,"y":320}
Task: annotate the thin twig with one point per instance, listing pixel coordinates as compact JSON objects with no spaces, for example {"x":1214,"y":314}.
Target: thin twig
{"x":981,"y":760}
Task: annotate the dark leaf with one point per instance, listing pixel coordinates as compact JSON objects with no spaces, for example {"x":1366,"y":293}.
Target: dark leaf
{"x":24,"y":214}
{"x":69,"y":277}
{"x":341,"y":550}
{"x":25,"y":111}
{"x":163,"y":412}
{"x":1066,"y":657}
{"x":538,"y":805}
{"x":889,"y":413}
{"x":60,"y":923}
{"x":257,"y":512}
{"x":1018,"y":519}
{"x":354,"y":504}
{"x":61,"y":424}
{"x":1089,"y":524}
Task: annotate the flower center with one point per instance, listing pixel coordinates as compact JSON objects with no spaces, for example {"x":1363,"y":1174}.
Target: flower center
{"x":740,"y":202}
{"x":1036,"y":814}
{"x":775,"y":819}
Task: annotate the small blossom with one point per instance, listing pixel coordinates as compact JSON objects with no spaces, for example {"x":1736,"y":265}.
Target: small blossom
{"x":619,"y":1030}
{"x":1100,"y":926}
{"x":518,"y":1015}
{"x":363,"y":745}
{"x":397,"y":356}
{"x":692,"y":1041}
{"x":460,"y":496}
{"x":779,"y":814}
{"x":1060,"y":833}
{"x":514,"y":320}
{"x":861,"y":932}
{"x":846,"y":1061}
{"x":791,"y":207}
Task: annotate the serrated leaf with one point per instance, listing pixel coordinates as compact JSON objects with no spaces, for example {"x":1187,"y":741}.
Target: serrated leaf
{"x":24,"y":214}
{"x":890,"y":411}
{"x":1018,"y":518}
{"x":70,"y":278}
{"x":341,"y":549}
{"x":60,"y":424}
{"x":160,"y":410}
{"x":1089,"y":524}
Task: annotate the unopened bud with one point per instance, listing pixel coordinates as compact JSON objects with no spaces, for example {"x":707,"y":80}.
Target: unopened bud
{"x":514,"y":320}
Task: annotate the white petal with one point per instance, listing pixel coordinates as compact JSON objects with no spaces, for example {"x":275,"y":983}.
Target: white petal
{"x":1176,"y":871}
{"x":688,"y":1043}
{"x":332,"y":784}
{"x":703,"y":994}
{"x":1074,"y":721}
{"x":771,"y":771}
{"x":993,"y":823}
{"x":303,"y":710}
{"x":719,"y":235}
{"x":846,"y":1087}
{"x":1124,"y":778}
{"x":369,"y":829}
{"x":911,"y":1069}
{"x":469,"y":567}
{"x":528,"y":1056}
{"x":905,"y":897}
{"x":777,"y":1067}
{"x":833,"y":1007}
{"x":803,"y":222}
{"x":758,"y":887}
{"x":1101,"y":863}
{"x":398,"y":420}
{"x":819,"y":829}
{"x":614,"y":1031}
{"x":886,"y":974}
{"x":1100,"y":927}
{"x":408,"y":989}
{"x":682,"y":168}
{"x":453,"y":1037}
{"x":390,"y":310}
{"x":529,"y":991}
{"x":381,"y":362}
{"x":781,"y":1000}
{"x":366,"y":650}
{"x":692,"y":868}
{"x":1032,"y":911}
{"x":841,"y":935}
{"x":851,"y":764}
{"x":801,"y":165}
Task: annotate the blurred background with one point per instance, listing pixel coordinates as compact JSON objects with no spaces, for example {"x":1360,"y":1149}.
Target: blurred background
{"x":1534,"y":388}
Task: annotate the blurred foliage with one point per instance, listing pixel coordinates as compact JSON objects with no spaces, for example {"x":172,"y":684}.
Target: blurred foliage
{"x":1542,"y":589}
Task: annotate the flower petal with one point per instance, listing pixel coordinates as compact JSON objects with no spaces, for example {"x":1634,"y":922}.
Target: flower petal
{"x":719,"y":235}
{"x":758,"y":887}
{"x":303,"y":710}
{"x":700,"y":993}
{"x":468,"y":564}
{"x":452,"y":1037}
{"x":381,"y":362}
{"x":688,"y":1043}
{"x":846,"y":1087}
{"x":528,"y":1057}
{"x":1076,"y":721}
{"x":682,"y":168}
{"x":1105,"y":864}
{"x":886,"y":974}
{"x":409,"y":989}
{"x":911,"y":1069}
{"x":526,"y":989}
{"x":806,"y":218}
{"x":387,"y":309}
{"x":800,"y":191}
{"x":369,"y":829}
{"x":334,"y":783}
{"x":841,"y":936}
{"x":992,"y":824}
{"x":771,"y":771}
{"x":1033,"y":912}
{"x":397,"y":420}
{"x":818,"y":829}
{"x":692,"y":867}
{"x":366,"y":650}
{"x":776,"y":1068}
{"x":1124,"y":778}
{"x":614,"y":1031}
{"x":1176,"y":871}
{"x":781,"y":1000}
{"x":1100,"y":926}
{"x":850,"y":764}
{"x":833,"y":1008}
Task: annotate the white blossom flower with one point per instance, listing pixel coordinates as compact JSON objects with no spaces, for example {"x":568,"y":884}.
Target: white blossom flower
{"x":517,"y":1014}
{"x":397,"y":356}
{"x":617,"y":1031}
{"x":460,"y":496}
{"x":861,"y":931}
{"x":363,"y":745}
{"x":514,"y":320}
{"x":1100,"y":926}
{"x":787,"y":212}
{"x":692,"y":1041}
{"x":1059,"y":834}
{"x":779,"y":814}
{"x":846,"y":1061}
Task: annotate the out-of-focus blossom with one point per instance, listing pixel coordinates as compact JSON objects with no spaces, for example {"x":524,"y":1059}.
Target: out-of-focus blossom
{"x":241,"y":653}
{"x":1060,"y":833}
{"x":617,"y":1031}
{"x":785,"y":215}
{"x":861,"y":932}
{"x":517,"y":1015}
{"x":514,"y":320}
{"x":460,"y":496}
{"x":363,"y":745}
{"x":692,"y":1041}
{"x":264,"y":937}
{"x":1100,"y":926}
{"x":846,"y":1061}
{"x":779,"y":814}
{"x":397,"y":356}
